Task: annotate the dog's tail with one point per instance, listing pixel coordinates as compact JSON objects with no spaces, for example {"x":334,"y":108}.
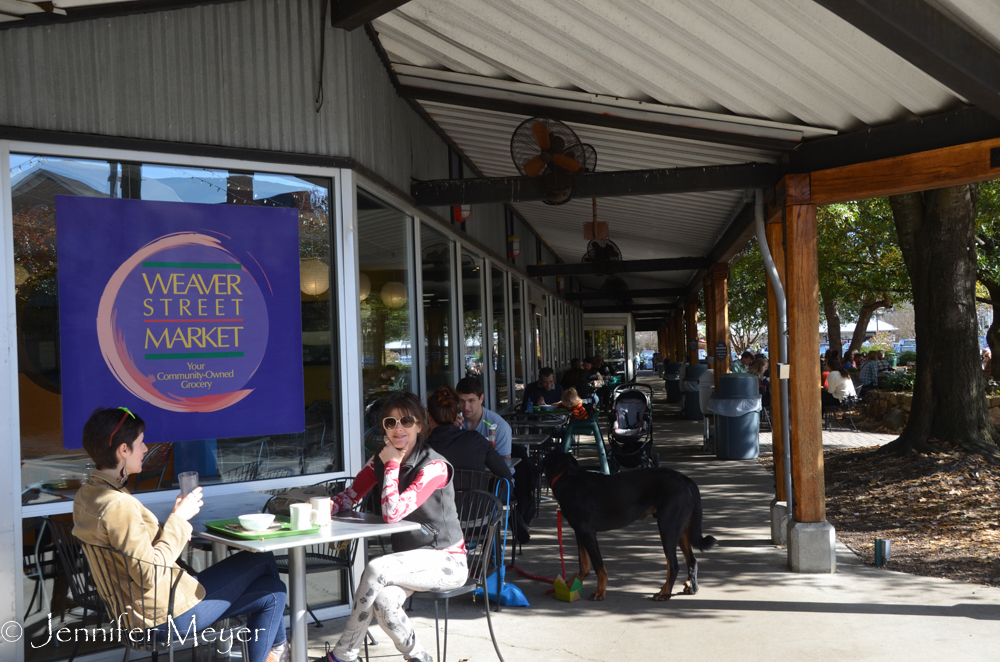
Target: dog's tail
{"x":703,"y":543}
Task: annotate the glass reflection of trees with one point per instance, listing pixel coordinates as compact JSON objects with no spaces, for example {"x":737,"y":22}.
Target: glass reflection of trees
{"x":472,"y":320}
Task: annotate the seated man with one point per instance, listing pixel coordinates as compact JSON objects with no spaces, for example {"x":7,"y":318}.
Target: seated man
{"x":543,"y":392}
{"x":741,"y":366}
{"x":869,"y":371}
{"x":482,"y":420}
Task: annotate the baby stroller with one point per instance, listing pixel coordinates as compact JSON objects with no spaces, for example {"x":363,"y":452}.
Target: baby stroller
{"x":630,"y":423}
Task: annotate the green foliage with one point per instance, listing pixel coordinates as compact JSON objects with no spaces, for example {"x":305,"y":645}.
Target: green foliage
{"x":906,"y":357}
{"x":747,"y":298}
{"x":860,"y":262}
{"x":988,"y":231}
{"x":900,"y":381}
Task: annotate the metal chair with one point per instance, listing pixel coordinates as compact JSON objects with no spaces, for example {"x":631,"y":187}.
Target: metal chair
{"x":467,"y":479}
{"x":479,"y":513}
{"x":248,"y":471}
{"x":120,"y":595}
{"x":77,"y":573}
{"x":39,"y":553}
{"x":589,"y":426}
{"x":327,"y":557}
{"x":154,"y":465}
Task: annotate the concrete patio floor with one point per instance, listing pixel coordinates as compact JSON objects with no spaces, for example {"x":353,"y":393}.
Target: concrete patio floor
{"x":750,"y":606}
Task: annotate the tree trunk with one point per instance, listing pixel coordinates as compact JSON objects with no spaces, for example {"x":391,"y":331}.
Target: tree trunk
{"x":861,"y":328}
{"x":993,"y":334}
{"x":832,"y":311}
{"x":936,"y":234}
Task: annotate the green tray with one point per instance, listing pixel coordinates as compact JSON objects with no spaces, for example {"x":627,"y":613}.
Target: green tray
{"x":221,"y":526}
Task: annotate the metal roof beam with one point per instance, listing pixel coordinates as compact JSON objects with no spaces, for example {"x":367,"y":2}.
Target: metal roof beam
{"x":629,"y":294}
{"x":351,"y":14}
{"x":627,"y":266}
{"x":930,"y":41}
{"x":442,"y":192}
{"x":659,"y":307}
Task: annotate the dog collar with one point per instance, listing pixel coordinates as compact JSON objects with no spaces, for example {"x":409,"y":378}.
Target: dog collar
{"x":558,"y":476}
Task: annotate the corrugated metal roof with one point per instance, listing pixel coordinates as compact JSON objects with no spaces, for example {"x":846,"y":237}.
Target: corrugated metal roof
{"x":782,"y":60}
{"x":643,"y":227}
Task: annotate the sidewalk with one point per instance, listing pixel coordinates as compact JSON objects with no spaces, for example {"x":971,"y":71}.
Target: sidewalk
{"x":750,"y":606}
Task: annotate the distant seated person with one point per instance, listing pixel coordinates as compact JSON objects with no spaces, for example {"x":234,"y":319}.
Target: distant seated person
{"x":592,"y":374}
{"x":543,"y":392}
{"x":464,"y":449}
{"x":839,"y":384}
{"x":745,"y":361}
{"x":602,"y":368}
{"x":869,"y":371}
{"x":883,"y":363}
{"x":389,"y":377}
{"x":578,"y":409}
{"x":576,"y":377}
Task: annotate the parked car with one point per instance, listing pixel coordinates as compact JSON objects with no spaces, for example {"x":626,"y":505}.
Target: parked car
{"x":906,"y":345}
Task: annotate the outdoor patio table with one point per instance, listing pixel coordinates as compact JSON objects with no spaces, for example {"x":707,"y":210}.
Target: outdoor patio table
{"x":346,"y":526}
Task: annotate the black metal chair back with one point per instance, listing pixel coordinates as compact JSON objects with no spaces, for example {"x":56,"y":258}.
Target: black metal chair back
{"x":77,"y":573}
{"x":248,"y":471}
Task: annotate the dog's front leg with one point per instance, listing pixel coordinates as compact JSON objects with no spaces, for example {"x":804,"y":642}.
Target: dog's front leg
{"x":584,"y":564}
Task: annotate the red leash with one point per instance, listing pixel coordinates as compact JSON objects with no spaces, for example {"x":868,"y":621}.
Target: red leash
{"x":562,"y":558}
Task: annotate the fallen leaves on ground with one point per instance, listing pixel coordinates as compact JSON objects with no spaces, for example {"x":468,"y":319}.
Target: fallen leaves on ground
{"x":941,"y":511}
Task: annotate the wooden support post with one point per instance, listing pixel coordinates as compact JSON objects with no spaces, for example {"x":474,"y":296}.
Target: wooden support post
{"x":718,"y":318}
{"x":805,"y":411}
{"x":662,"y":332}
{"x":776,"y":243}
{"x":680,"y":343}
{"x":691,"y":313}
{"x":709,"y":322}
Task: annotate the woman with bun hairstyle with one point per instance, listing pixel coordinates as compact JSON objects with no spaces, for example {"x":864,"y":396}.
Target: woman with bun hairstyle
{"x":464,"y":449}
{"x":415,"y":484}
{"x":105,"y":514}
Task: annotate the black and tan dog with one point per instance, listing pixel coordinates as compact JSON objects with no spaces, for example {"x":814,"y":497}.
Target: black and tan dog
{"x":593,"y":502}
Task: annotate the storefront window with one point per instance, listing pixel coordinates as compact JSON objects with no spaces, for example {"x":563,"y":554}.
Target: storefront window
{"x":384,"y":247}
{"x":472,"y":313}
{"x":517,"y":339}
{"x":610,"y":344}
{"x":499,"y":296}
{"x":51,"y":472}
{"x":436,"y":268}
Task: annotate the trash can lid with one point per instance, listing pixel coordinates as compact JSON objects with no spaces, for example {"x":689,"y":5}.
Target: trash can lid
{"x":672,"y":368}
{"x":739,"y":385}
{"x":694,"y":371}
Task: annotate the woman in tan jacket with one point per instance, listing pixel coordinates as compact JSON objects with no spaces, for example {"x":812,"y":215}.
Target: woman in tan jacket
{"x":107,"y":515}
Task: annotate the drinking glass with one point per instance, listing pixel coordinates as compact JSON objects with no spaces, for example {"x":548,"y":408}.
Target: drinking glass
{"x":188,"y":481}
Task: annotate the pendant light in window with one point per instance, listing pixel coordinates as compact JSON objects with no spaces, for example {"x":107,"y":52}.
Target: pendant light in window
{"x":394,"y":294}
{"x":364,"y":285}
{"x":314,"y":276}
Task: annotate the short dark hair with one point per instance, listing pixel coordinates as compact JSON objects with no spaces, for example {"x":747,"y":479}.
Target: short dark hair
{"x":442,"y":405}
{"x":469,"y":386}
{"x":546,"y":372}
{"x":574,"y":363}
{"x":106,"y":430}
{"x":747,"y":354}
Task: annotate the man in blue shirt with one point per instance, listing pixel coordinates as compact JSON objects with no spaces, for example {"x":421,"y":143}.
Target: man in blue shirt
{"x":543,"y":392}
{"x":480,"y":419}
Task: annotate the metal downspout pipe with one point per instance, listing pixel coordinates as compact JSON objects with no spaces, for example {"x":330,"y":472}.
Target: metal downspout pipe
{"x":779,"y":296}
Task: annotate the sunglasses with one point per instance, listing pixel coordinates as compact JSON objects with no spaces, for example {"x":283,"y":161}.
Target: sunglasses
{"x":390,"y":422}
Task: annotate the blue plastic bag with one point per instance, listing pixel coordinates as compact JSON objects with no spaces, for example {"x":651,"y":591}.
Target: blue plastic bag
{"x":510,"y":595}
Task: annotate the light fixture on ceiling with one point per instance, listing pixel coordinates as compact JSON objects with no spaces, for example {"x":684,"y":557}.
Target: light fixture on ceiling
{"x":314,"y":275}
{"x":394,"y":294}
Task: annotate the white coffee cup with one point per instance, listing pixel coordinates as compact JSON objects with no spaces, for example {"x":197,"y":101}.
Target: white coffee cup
{"x":322,"y":506}
{"x":302,"y":516}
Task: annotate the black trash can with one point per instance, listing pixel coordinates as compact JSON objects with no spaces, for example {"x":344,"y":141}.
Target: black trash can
{"x":737,"y":417}
{"x":692,"y":395}
{"x":672,"y":381}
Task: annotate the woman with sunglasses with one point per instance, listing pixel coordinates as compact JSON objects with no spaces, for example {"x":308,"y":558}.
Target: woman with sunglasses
{"x":415,"y":484}
{"x":105,"y":514}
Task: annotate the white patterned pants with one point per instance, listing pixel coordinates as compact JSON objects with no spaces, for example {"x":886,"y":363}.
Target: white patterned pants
{"x":385,"y":585}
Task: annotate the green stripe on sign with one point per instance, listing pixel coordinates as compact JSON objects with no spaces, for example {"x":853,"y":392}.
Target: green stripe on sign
{"x":196,"y":355}
{"x":192,"y":265}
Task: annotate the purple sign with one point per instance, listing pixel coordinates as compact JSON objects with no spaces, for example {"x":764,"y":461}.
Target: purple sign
{"x":188,"y":314}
